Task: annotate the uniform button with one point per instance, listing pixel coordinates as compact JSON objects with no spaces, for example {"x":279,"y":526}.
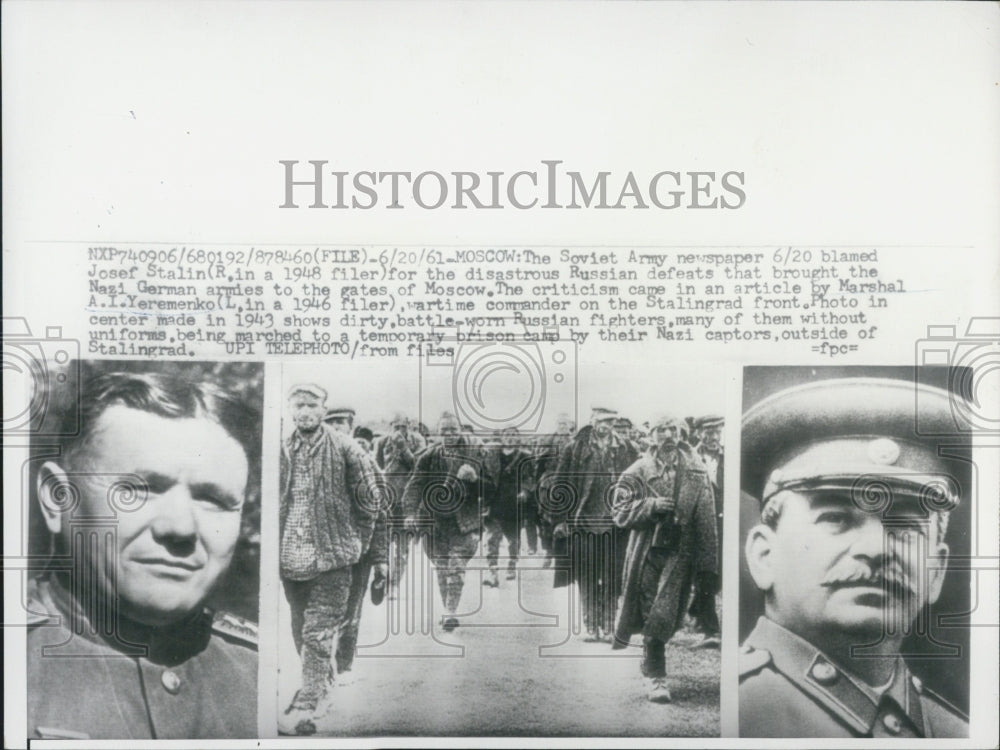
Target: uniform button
{"x":824,"y":673}
{"x":171,"y":682}
{"x":917,"y":683}
{"x":892,"y":723}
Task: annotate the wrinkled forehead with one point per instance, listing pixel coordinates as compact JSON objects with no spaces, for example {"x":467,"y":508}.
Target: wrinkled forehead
{"x":127,"y":439}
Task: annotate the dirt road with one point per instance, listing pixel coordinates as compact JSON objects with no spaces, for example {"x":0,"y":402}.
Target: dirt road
{"x":513,"y":667}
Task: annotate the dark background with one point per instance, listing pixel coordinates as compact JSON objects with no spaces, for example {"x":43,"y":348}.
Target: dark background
{"x":941,"y":658}
{"x":239,"y":589}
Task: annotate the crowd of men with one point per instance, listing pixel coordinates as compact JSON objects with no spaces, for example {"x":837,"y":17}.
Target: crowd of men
{"x":630,"y":516}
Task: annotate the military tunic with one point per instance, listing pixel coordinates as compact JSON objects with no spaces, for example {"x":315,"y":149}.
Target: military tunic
{"x":789,"y":688}
{"x":197,"y":680}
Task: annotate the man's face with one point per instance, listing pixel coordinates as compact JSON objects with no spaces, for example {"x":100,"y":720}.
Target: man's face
{"x":564,"y":427}
{"x":622,"y":430}
{"x":307,"y":411}
{"x":711,"y":438}
{"x":665,"y":436}
{"x":401,"y":428}
{"x":509,"y":439}
{"x":835,"y":568}
{"x":341,"y":424}
{"x":174,"y":546}
{"x":602,"y":427}
{"x":449,"y":432}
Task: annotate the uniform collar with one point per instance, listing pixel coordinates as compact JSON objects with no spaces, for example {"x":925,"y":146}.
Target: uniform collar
{"x":845,"y":695}
{"x":167,"y":645}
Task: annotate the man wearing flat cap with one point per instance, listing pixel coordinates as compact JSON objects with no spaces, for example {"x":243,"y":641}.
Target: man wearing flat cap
{"x":665,"y":500}
{"x":849,"y":551}
{"x":328,"y":508}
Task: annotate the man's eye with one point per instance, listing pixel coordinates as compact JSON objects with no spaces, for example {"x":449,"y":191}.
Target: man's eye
{"x":834,"y":517}
{"x":220,"y":501}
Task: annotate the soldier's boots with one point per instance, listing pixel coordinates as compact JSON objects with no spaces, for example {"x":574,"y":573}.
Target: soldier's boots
{"x":658,"y":692}
{"x":490,"y":579}
{"x":511,"y":570}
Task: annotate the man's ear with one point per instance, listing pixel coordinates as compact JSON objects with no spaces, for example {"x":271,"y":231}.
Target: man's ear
{"x":56,"y":494}
{"x":758,"y":553}
{"x":936,"y":570}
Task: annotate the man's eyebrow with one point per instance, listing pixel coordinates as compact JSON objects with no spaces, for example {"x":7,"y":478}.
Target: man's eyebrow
{"x":155,"y":479}
{"x":158,"y":482}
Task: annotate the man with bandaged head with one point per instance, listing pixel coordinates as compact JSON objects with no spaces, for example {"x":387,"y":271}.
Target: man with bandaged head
{"x":665,"y":500}
{"x":849,"y":551}
{"x":443,"y":497}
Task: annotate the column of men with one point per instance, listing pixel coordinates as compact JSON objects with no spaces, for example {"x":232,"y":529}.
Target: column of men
{"x":634,"y":519}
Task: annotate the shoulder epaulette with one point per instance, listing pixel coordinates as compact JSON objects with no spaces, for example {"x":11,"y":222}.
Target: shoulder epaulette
{"x":235,"y":627}
{"x":944,"y":703}
{"x":752,"y":660}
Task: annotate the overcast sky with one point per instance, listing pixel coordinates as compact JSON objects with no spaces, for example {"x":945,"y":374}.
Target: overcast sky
{"x":507,"y":381}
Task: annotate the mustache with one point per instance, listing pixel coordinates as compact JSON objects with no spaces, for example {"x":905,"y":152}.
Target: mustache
{"x":857,"y":573}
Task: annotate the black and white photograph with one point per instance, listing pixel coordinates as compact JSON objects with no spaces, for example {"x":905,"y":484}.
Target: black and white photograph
{"x":488,"y":562}
{"x":856,"y":499}
{"x":145,"y":517}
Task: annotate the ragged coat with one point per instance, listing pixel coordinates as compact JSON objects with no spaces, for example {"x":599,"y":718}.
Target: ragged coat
{"x":688,"y":534}
{"x":347,"y":497}
{"x":434,"y":492}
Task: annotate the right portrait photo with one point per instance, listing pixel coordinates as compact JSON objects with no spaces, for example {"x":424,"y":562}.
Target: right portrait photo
{"x":857,"y":490}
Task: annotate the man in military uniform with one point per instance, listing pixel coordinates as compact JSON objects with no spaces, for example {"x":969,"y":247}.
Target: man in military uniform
{"x":665,"y":500}
{"x":853,"y":503}
{"x":546,"y":455}
{"x":584,"y":531}
{"x":144,"y":507}
{"x":374,"y":558}
{"x":443,"y":498}
{"x":709,"y":450}
{"x":510,"y":470}
{"x":328,"y":508}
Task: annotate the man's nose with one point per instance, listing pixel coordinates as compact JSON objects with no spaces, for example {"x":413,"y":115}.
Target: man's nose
{"x":870,"y":538}
{"x":175,"y":514}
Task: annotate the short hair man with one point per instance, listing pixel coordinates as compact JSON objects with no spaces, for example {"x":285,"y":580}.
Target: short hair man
{"x":146,"y":503}
{"x":853,"y":502}
{"x":510,"y":469}
{"x":445,"y":490}
{"x":329,"y":506}
{"x":396,"y":455}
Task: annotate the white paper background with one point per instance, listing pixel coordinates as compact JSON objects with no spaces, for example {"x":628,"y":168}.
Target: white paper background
{"x":876,"y":125}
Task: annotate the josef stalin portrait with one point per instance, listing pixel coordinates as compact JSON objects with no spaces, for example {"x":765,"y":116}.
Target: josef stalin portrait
{"x":850,"y":550}
{"x":143,"y":508}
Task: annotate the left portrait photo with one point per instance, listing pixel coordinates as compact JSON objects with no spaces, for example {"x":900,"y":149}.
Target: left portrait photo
{"x":144,"y":531}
